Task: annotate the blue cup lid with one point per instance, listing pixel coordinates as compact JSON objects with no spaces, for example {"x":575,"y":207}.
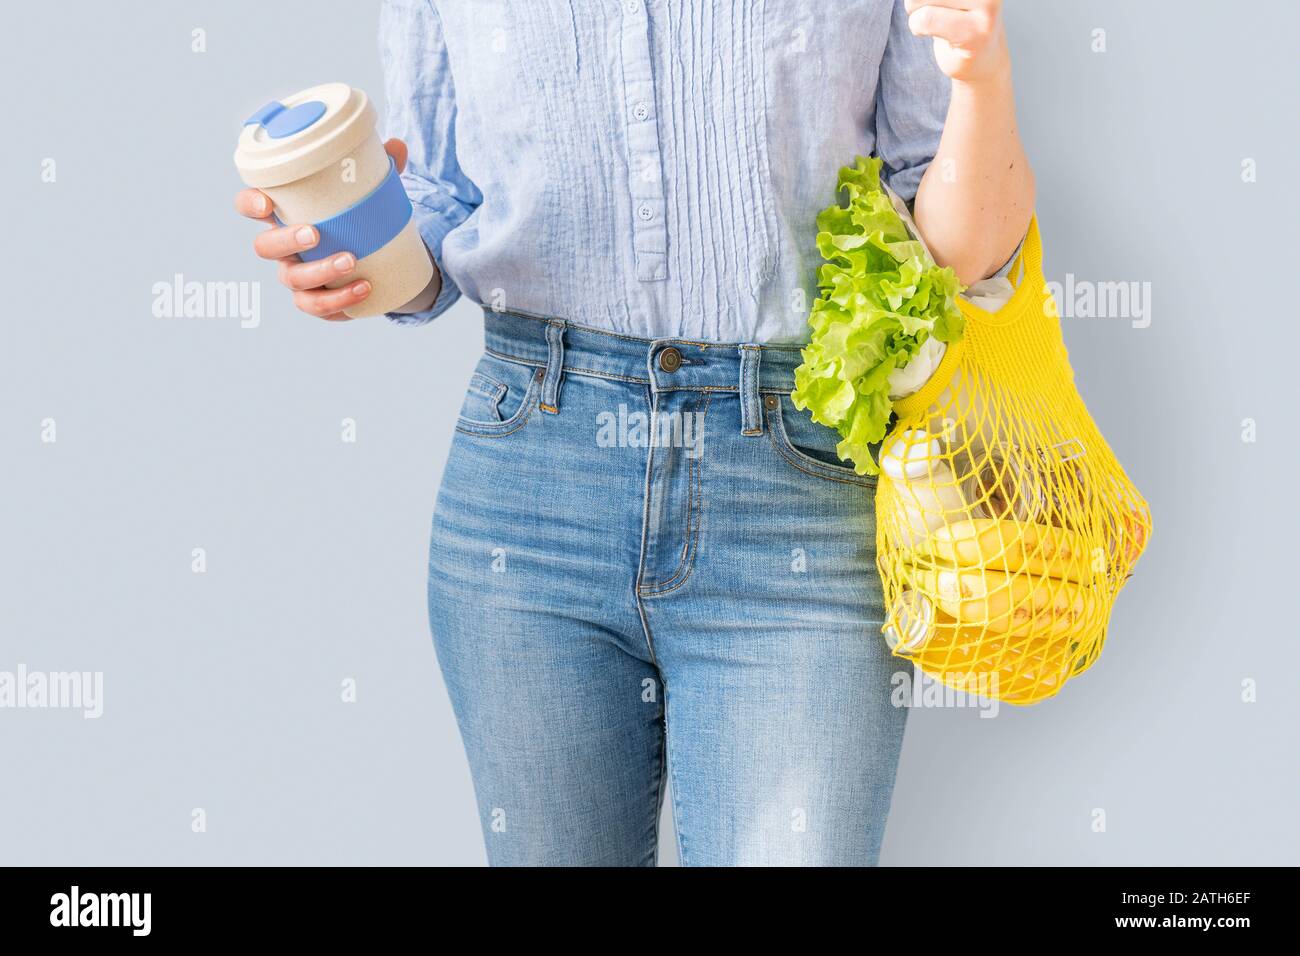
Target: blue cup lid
{"x":301,"y":134}
{"x":281,"y":121}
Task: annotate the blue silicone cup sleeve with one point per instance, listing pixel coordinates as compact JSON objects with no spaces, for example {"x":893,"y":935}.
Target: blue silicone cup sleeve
{"x":367,"y":225}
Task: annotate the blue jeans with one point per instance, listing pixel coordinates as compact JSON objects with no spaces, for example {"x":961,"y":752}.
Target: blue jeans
{"x":647,"y":566}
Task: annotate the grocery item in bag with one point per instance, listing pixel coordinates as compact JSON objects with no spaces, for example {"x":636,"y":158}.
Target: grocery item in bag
{"x":1005,"y":527}
{"x":1023,"y":576}
{"x":929,"y":492}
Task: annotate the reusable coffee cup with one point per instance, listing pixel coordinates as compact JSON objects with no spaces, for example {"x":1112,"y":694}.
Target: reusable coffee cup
{"x":319,"y":158}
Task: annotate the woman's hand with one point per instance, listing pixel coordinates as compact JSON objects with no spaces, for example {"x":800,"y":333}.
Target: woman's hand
{"x":977,"y":196}
{"x":307,"y":280}
{"x":969,"y":42}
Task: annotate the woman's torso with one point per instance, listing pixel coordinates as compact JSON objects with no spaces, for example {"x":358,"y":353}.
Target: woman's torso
{"x":656,"y":168}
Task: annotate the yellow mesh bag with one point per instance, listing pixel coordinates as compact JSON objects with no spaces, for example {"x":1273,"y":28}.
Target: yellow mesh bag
{"x":1005,"y":525}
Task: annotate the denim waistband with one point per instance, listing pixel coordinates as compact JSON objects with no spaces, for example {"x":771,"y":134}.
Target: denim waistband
{"x":663,"y":364}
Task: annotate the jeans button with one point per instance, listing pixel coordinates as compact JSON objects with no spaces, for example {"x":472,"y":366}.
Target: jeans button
{"x":670,"y":360}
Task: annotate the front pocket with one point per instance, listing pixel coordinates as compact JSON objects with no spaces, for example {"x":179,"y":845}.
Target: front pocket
{"x":499,"y":398}
{"x":806,"y":445}
{"x":483,"y":399}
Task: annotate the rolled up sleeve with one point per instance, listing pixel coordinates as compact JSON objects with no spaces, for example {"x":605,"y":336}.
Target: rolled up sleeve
{"x":421,"y":99}
{"x":911,"y":106}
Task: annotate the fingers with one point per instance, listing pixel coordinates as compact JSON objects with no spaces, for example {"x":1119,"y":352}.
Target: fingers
{"x":911,"y":6}
{"x":308,"y":279}
{"x":285,"y":241}
{"x":330,"y":303}
{"x":253,"y":203}
{"x":396,"y":149}
{"x":958,"y":27}
{"x":300,"y":276}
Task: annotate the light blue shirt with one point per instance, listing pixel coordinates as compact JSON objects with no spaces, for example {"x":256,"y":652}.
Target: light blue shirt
{"x":652,"y":167}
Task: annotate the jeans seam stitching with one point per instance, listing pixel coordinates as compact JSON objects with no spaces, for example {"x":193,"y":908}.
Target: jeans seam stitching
{"x":659,"y":787}
{"x":687,"y":563}
{"x":526,"y":411}
{"x":640,"y":568}
{"x":538,"y":363}
{"x":672,"y":781}
{"x":861,"y":481}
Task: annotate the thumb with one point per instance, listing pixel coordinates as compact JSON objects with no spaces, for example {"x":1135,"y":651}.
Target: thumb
{"x":396,"y":149}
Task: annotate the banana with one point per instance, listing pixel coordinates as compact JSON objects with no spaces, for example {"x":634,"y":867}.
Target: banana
{"x":1037,"y":549}
{"x":1016,"y":605}
{"x":1024,"y":669}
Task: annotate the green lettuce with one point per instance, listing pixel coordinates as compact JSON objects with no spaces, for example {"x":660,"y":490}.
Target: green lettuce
{"x":881,"y":297}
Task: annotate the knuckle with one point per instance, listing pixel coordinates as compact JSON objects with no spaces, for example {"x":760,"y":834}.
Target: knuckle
{"x":251,"y":204}
{"x":304,"y":277}
{"x":270,"y":244}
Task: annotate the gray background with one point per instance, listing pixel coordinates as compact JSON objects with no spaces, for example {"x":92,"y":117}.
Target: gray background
{"x":222,"y":690}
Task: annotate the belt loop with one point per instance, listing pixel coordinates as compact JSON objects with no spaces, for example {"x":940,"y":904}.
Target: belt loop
{"x":554,"y":367}
{"x":751,"y":414}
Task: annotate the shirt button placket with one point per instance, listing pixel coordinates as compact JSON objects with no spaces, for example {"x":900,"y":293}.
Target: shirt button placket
{"x":645,"y":161}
